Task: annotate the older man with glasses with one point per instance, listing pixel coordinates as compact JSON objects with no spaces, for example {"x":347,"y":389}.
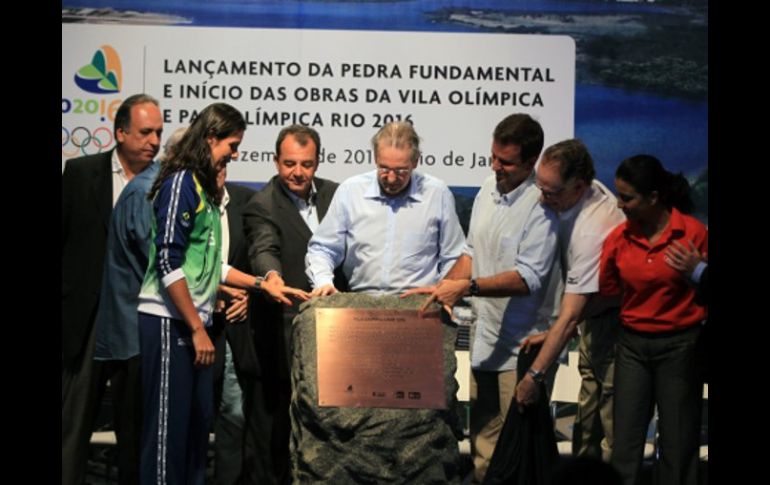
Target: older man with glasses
{"x":588,"y":211}
{"x":391,"y":229}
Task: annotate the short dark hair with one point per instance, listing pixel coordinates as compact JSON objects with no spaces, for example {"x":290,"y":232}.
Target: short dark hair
{"x":123,"y":115}
{"x":573,"y":158}
{"x":646,"y":175}
{"x":523,"y":130}
{"x":302,"y":134}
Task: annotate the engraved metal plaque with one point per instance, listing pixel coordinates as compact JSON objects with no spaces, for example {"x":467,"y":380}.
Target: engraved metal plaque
{"x":379,"y":358}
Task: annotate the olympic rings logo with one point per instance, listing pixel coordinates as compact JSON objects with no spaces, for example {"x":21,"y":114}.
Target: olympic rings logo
{"x":81,"y":140}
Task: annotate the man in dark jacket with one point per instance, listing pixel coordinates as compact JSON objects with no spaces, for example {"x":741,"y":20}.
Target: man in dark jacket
{"x":90,"y":187}
{"x":279,"y":221}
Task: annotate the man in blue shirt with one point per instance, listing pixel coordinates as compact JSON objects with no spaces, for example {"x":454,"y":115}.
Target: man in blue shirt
{"x":392,"y":229}
{"x":116,"y":354}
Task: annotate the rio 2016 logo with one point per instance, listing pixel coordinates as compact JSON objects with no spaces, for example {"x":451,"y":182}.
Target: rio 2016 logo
{"x":103,"y":75}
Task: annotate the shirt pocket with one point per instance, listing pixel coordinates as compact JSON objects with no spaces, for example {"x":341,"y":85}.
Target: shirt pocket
{"x":509,"y":249}
{"x":418,"y":248}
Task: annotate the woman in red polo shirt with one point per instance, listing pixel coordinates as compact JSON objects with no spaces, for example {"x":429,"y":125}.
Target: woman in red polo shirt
{"x":655,"y":357}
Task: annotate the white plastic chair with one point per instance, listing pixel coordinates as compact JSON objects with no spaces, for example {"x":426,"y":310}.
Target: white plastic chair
{"x":106,"y":439}
{"x":704,"y":449}
{"x":566,"y":387}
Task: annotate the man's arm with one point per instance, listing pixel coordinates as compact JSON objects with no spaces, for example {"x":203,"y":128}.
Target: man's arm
{"x":462,"y":269}
{"x":263,"y":239}
{"x":509,"y":283}
{"x":570,"y":313}
{"x":138,"y":230}
{"x":449,"y":290}
{"x":276,"y":289}
{"x":326,"y":249}
{"x":534,"y":261}
{"x":533,"y":264}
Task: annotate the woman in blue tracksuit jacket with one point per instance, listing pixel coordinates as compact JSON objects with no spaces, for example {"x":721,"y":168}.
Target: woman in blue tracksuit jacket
{"x":178,"y":295}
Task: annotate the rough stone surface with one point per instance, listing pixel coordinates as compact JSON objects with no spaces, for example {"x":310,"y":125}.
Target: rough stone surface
{"x":369,"y":445}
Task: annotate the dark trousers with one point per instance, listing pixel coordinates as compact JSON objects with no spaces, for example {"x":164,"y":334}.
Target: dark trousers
{"x":273,"y":398}
{"x":125,"y":378}
{"x":77,"y":416}
{"x":86,"y":384}
{"x":177,"y":400}
{"x":257,"y":455}
{"x":243,"y":454}
{"x":657,"y":370}
{"x":281,"y":431}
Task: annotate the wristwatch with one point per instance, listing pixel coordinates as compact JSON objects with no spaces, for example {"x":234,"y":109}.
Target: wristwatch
{"x":258,"y":282}
{"x":537,"y":375}
{"x":474,"y":288}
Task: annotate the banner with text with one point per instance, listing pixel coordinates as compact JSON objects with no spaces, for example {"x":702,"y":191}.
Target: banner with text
{"x":454,"y":88}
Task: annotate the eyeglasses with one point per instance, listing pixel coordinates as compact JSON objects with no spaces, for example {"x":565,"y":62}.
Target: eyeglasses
{"x":549,"y":194}
{"x":400,"y":172}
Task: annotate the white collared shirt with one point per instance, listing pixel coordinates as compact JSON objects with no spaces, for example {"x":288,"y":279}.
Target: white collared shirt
{"x":119,"y":179}
{"x":307,"y":209}
{"x":225,"y":225}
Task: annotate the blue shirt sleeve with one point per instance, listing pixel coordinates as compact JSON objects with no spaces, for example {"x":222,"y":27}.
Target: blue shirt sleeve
{"x":698,"y":271}
{"x":538,"y":248}
{"x":175,"y":208}
{"x":452,"y":239}
{"x":326,"y":249}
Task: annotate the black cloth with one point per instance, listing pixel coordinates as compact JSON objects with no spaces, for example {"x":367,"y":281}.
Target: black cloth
{"x":701,"y":346}
{"x":255,"y":465}
{"x":277,"y":240}
{"x":526,"y":451}
{"x":240,"y":336}
{"x":657,"y":370}
{"x":86,"y":210}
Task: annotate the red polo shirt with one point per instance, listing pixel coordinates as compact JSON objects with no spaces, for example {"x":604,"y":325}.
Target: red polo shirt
{"x":655,"y":297}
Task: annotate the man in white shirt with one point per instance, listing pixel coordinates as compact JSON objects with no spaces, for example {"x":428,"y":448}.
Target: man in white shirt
{"x":505,"y":267}
{"x":588,"y":211}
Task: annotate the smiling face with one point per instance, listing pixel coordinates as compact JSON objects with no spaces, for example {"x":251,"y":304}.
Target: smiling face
{"x":637,"y":207}
{"x":140,"y":143}
{"x":223,"y":150}
{"x":296,"y":165}
{"x":510,"y":170}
